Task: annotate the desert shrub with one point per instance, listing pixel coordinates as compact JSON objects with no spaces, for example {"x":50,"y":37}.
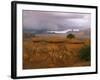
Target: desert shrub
{"x":70,"y":36}
{"x":85,"y":53}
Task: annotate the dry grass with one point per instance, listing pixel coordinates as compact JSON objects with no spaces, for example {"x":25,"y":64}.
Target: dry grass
{"x":50,"y":52}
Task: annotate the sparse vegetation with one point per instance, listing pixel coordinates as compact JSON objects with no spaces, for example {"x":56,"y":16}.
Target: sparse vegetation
{"x":49,"y":52}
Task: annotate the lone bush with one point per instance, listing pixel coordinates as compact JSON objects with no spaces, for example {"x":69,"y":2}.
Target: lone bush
{"x":70,"y":36}
{"x":85,"y":53}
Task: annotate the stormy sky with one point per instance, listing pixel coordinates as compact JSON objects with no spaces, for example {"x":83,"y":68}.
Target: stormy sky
{"x":43,"y":20}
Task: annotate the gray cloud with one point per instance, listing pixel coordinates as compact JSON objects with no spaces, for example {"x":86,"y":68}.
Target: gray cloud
{"x":55,"y":20}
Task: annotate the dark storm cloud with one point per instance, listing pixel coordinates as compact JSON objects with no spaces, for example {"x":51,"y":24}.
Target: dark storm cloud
{"x":54,"y":20}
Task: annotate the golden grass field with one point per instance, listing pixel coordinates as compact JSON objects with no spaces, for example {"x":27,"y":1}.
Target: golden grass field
{"x":52,"y":52}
